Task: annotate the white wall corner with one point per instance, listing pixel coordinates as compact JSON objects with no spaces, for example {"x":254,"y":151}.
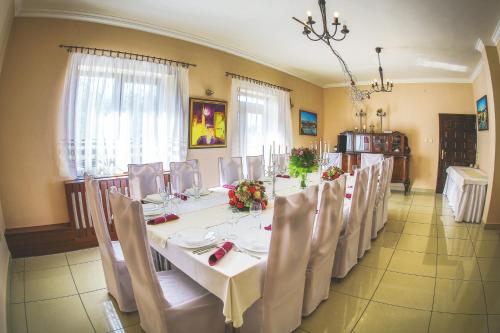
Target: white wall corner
{"x":479,"y":45}
{"x":495,"y":38}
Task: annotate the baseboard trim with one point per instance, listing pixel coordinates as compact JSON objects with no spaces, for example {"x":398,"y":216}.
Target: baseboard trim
{"x":492,"y":226}
{"x":46,"y":239}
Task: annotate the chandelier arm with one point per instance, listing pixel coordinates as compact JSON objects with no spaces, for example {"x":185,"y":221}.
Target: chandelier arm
{"x":331,"y":36}
{"x":314,"y":39}
{"x":339,"y":39}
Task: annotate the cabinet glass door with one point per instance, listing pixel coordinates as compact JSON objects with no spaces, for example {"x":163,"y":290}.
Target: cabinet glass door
{"x":380,"y":143}
{"x":362,"y":142}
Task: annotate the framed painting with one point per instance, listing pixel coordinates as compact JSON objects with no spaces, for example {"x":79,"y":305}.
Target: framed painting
{"x":308,"y":123}
{"x":207,"y":123}
{"x":482,"y":114}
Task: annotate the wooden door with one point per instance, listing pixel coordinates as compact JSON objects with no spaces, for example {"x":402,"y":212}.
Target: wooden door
{"x":457,"y":143}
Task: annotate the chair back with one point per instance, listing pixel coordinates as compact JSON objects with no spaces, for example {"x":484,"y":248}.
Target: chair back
{"x":131,"y":230}
{"x":99,"y":220}
{"x":255,"y":167}
{"x":324,"y":243}
{"x":365,"y":230}
{"x":287,"y":260}
{"x":145,"y":179}
{"x":334,"y":159}
{"x":230,"y":170}
{"x":358,"y":201}
{"x":182,"y":175}
{"x":368,"y":159}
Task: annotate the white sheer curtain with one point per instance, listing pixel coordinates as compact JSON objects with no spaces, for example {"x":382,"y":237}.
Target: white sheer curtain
{"x":262,"y":115}
{"x":119,"y":111}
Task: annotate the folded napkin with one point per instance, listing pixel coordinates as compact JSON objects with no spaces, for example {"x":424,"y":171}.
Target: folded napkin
{"x":181,"y":196}
{"x":350,"y":186}
{"x":283,"y":176}
{"x":220,"y":253}
{"x":269,"y":227}
{"x":348,"y":195}
{"x":229,"y":186}
{"x":163,"y":219}
{"x":352,"y":173}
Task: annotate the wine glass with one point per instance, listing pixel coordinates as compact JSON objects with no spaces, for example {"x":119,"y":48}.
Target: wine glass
{"x":232,"y":222}
{"x":165,"y":196}
{"x":256,"y":211}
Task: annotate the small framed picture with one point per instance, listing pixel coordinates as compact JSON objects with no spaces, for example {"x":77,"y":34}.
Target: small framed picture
{"x":207,"y":123}
{"x":482,"y":114}
{"x":308,"y":123}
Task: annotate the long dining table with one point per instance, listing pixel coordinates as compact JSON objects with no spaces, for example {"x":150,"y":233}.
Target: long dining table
{"x":237,"y":279}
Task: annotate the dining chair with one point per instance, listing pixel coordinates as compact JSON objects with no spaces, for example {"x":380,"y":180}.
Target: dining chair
{"x":325,"y":237}
{"x":168,"y":301}
{"x":365,"y":227}
{"x":387,"y":195}
{"x":115,"y":268}
{"x":346,"y":254}
{"x":280,"y":308}
{"x":334,"y":159}
{"x":182,"y":175}
{"x":230,"y":170}
{"x":255,"y":167}
{"x":145,"y":179}
{"x":378,"y":209}
{"x":368,"y":159}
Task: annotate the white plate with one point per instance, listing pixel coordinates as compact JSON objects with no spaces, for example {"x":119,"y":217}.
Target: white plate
{"x":193,"y":238}
{"x":203,"y":192}
{"x":255,"y":241}
{"x":151,"y":209}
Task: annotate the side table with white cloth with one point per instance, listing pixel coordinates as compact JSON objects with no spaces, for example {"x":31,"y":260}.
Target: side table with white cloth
{"x":465,"y":189}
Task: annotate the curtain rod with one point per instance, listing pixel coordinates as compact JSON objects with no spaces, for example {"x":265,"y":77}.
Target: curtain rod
{"x":264,"y":83}
{"x":125,"y":55}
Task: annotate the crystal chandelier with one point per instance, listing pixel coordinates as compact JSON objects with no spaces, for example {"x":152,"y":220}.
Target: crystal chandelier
{"x":328,"y":37}
{"x":384,"y":86}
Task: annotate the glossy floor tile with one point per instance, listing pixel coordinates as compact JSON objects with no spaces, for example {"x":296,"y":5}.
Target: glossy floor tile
{"x":424,"y":273}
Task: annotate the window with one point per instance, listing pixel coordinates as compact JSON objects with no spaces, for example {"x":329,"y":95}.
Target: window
{"x":263,"y":117}
{"x":120,"y":111}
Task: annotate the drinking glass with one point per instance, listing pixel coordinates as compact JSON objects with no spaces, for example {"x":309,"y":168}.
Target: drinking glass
{"x":196,"y":184}
{"x":232,"y":222}
{"x":256,"y":211}
{"x":165,"y":196}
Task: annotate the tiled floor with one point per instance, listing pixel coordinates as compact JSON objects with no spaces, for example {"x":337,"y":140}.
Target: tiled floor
{"x":424,"y":273}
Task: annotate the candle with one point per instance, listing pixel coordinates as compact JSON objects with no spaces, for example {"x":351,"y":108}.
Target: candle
{"x":335,"y":17}
{"x":270,"y":154}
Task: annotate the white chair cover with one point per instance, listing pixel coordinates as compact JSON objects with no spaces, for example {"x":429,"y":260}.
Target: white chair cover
{"x":182,"y":175}
{"x":280,"y":309}
{"x":230,"y":170}
{"x":169,"y":301}
{"x":378,"y":210}
{"x":255,"y":167}
{"x":115,"y":269}
{"x":334,"y":159}
{"x":387,"y":195}
{"x":368,"y":159}
{"x":346,"y":255}
{"x":145,"y":179}
{"x":365,"y":228}
{"x":282,"y":162}
{"x":324,"y":243}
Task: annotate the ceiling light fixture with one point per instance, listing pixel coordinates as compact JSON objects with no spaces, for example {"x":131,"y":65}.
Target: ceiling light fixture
{"x":384,"y":87}
{"x":327,"y":37}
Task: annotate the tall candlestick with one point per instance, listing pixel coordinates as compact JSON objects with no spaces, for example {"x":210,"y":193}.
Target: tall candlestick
{"x":270,"y":154}
{"x":279,"y":149}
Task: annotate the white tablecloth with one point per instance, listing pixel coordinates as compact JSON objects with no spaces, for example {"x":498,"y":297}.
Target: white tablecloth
{"x":465,"y":189}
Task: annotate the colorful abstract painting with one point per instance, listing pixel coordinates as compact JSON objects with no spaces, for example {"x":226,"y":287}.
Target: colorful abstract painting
{"x":207,"y":123}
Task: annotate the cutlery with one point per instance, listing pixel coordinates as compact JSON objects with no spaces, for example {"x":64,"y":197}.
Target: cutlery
{"x":237,"y":249}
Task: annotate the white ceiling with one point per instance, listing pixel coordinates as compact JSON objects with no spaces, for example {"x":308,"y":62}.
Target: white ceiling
{"x":423,"y":40}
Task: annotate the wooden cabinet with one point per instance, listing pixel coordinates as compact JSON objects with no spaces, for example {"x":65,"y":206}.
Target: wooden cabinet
{"x":390,"y":144}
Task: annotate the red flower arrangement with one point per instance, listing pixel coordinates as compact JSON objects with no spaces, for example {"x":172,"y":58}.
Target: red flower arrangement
{"x":332,"y":173}
{"x":246,"y":192}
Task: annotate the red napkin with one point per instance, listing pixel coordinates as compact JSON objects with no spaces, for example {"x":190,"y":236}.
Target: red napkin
{"x":220,"y":253}
{"x":181,"y":196}
{"x":350,"y":186}
{"x":229,"y":187}
{"x":348,"y":195}
{"x":352,"y":173}
{"x":269,"y":227}
{"x":163,"y":219}
{"x":285,"y":176}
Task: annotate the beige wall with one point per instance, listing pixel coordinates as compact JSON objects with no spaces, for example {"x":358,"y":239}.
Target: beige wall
{"x":412,"y":109}
{"x":30,"y":93}
{"x":6,"y":18}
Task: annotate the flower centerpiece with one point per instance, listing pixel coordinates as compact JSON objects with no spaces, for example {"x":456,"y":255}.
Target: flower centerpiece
{"x":303,"y":161}
{"x":332,"y":173}
{"x":246,"y":192}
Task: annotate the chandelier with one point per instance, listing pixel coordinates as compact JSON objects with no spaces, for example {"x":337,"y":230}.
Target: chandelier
{"x":383,"y":87}
{"x":328,"y":37}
